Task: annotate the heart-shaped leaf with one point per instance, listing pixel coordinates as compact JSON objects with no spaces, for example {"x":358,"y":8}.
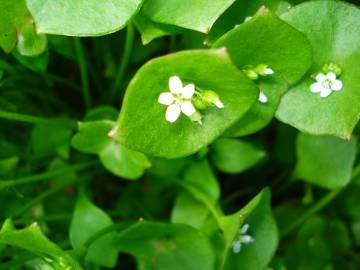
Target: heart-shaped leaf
{"x":142,"y":125}
{"x":197,"y":15}
{"x":325,"y":161}
{"x":326,"y":25}
{"x":81,"y":17}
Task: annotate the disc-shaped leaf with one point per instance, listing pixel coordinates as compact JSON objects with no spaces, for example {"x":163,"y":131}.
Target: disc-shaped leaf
{"x":235,"y":156}
{"x":161,"y":246}
{"x":87,"y":220}
{"x":326,"y":25}
{"x":325,"y":161}
{"x":81,"y":17}
{"x":142,"y":125}
{"x":265,"y":39}
{"x":198,"y":15}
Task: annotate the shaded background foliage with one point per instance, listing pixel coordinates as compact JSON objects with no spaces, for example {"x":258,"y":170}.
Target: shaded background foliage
{"x":72,"y":197}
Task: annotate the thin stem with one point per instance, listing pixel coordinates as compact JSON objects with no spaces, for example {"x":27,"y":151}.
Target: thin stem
{"x":313,"y":210}
{"x":33,"y":119}
{"x":129,"y":41}
{"x":83,"y":72}
{"x":44,"y":176}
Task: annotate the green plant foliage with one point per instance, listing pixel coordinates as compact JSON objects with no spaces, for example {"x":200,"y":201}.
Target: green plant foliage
{"x":33,"y":240}
{"x":179,"y":135}
{"x":144,"y":90}
{"x":198,"y":15}
{"x":287,"y":53}
{"x":337,"y":114}
{"x":81,"y":18}
{"x":88,"y":220}
{"x":235,"y":156}
{"x":162,"y":246}
{"x":93,"y":138}
{"x":324,"y":160}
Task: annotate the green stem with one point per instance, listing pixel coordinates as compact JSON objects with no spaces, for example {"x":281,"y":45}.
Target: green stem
{"x":33,"y":119}
{"x":44,"y":176}
{"x":313,"y":210}
{"x":129,"y":41}
{"x":83,"y":72}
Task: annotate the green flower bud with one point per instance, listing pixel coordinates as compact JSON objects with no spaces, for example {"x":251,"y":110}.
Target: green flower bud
{"x":331,"y":67}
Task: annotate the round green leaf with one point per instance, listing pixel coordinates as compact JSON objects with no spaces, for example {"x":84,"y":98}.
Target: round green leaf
{"x":92,"y":137}
{"x":265,"y":39}
{"x":235,"y":156}
{"x":326,"y":25}
{"x":142,"y":125}
{"x":164,"y":246}
{"x":81,"y":17}
{"x":123,"y":162}
{"x":325,"y":161}
{"x":197,"y":15}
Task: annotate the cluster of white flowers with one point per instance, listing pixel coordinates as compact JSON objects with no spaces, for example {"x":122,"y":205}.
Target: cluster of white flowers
{"x":325,"y":84}
{"x":180,"y":99}
{"x":243,"y":238}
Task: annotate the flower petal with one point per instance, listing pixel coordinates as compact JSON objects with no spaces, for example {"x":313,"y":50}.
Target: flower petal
{"x":175,"y":85}
{"x":172,"y":113}
{"x":320,"y":77}
{"x":166,"y":98}
{"x":316,"y":87}
{"x":331,"y":76}
{"x":336,"y":85}
{"x":268,"y":71}
{"x":325,"y":92}
{"x":187,"y":108}
{"x":188,"y":91}
{"x":219,"y":104}
{"x":262,"y":97}
{"x":244,"y":228}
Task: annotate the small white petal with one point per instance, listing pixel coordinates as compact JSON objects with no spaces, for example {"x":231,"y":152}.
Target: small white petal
{"x":188,"y":91}
{"x":316,"y":87}
{"x":262,"y":97}
{"x":246,"y":239}
{"x":331,"y":76}
{"x":175,"y":85}
{"x":219,"y":104}
{"x":336,"y":85}
{"x":244,"y":228}
{"x":325,"y":92}
{"x":268,"y":71}
{"x":187,"y":108}
{"x":321,"y":77}
{"x":172,"y":113}
{"x":166,"y":98}
{"x":236,"y":246}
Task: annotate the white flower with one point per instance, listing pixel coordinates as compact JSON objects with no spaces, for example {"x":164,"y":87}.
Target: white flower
{"x":178,"y":99}
{"x":325,"y":84}
{"x":242,"y":238}
{"x":262,"y":97}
